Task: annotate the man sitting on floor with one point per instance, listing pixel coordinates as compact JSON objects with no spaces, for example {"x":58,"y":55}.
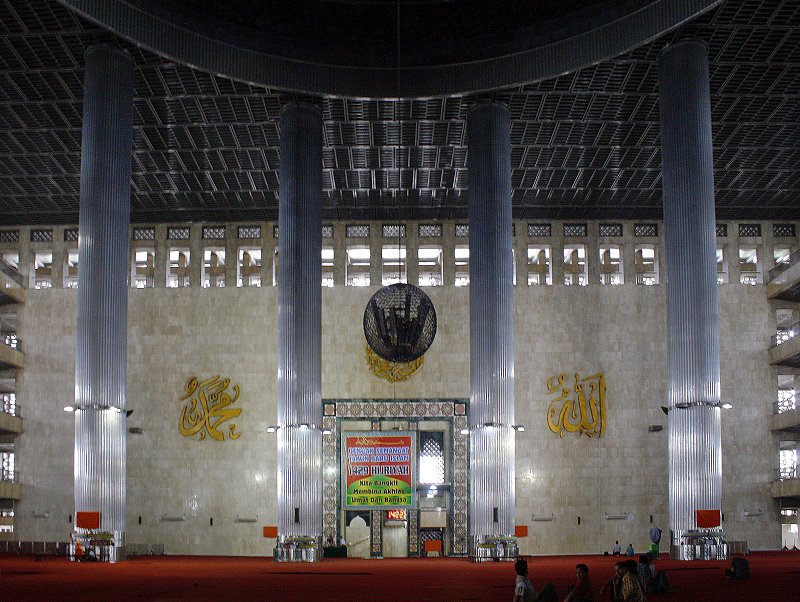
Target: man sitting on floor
{"x":524,"y":590}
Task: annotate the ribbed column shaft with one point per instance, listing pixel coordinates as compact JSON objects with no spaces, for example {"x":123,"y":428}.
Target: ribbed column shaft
{"x":101,"y":335}
{"x":695,"y":459}
{"x":299,"y":322}
{"x":492,"y":500}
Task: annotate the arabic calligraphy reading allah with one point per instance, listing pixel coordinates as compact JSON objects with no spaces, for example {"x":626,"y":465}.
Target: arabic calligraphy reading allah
{"x":581,"y":409}
{"x":207,"y":408}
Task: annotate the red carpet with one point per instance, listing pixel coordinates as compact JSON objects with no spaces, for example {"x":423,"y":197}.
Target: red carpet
{"x":775,"y":577}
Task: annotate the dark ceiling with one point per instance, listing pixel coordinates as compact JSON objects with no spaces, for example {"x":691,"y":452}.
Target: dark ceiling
{"x":584,"y":145}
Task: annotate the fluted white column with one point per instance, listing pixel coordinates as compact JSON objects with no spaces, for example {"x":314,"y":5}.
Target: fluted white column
{"x":299,"y":325}
{"x":695,"y":445}
{"x":492,"y":439}
{"x":100,"y":362}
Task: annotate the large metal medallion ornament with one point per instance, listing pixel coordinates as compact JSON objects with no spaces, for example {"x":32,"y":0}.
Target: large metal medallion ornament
{"x":400,"y":323}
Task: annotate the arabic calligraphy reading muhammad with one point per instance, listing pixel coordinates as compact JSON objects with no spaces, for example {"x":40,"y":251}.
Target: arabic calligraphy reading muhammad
{"x":580,"y":409}
{"x":207,"y":408}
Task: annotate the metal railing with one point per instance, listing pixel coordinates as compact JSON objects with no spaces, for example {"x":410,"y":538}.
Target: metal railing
{"x":144,"y":549}
{"x":787,"y":473}
{"x":784,"y":265}
{"x":9,"y":476}
{"x":785,"y":334}
{"x":784,"y":405}
{"x":9,"y":405}
{"x":43,"y":548}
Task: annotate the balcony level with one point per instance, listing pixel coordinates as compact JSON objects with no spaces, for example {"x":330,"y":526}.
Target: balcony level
{"x":12,"y":285}
{"x":10,"y":489}
{"x":785,"y":347}
{"x":788,"y":491}
{"x":786,"y":417}
{"x":784,"y":280}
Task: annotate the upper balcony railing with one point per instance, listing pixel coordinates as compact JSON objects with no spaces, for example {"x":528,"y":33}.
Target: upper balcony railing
{"x":785,"y":334}
{"x":784,"y":405}
{"x":784,"y":265}
{"x":9,"y":404}
{"x":787,"y":473}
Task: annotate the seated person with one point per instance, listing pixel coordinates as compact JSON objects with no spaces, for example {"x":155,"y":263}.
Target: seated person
{"x":79,"y":551}
{"x":581,"y":591}
{"x":653,"y":582}
{"x":625,"y":586}
{"x":524,"y":590}
{"x":740,"y":568}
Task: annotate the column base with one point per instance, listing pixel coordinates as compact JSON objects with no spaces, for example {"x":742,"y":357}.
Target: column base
{"x":497,"y":548}
{"x":698,"y":544}
{"x":298,"y":548}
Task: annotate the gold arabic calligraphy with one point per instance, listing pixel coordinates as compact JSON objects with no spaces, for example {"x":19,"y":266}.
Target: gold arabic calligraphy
{"x":577,"y":410}
{"x":208,"y":408}
{"x":394,"y":372}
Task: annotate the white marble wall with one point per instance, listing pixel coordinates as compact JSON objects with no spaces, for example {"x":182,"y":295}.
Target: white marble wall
{"x":174,"y":334}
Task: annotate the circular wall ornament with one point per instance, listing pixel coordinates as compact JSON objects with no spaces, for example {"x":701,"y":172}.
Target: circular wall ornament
{"x":400,"y":323}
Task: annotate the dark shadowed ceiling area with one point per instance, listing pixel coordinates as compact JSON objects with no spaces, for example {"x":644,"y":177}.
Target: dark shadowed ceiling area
{"x":584,"y":144}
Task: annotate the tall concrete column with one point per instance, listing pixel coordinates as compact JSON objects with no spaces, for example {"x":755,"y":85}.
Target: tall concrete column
{"x":695,"y":446}
{"x":299,"y":329}
{"x":100,"y":359}
{"x":491,"y":306}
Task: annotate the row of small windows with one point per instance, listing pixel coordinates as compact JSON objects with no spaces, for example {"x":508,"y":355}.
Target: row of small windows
{"x":429,"y":260}
{"x":779,"y":230}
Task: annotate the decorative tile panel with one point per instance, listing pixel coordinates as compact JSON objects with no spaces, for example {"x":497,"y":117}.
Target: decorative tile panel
{"x":610,"y":230}
{"x":376,"y":532}
{"x":144,"y":234}
{"x":357,"y":231}
{"x":327,"y":230}
{"x":41,"y":235}
{"x":248,"y":232}
{"x":393,"y":231}
{"x":645,"y":229}
{"x":413,"y":532}
{"x":275,"y":232}
{"x":462,"y":230}
{"x":9,"y":235}
{"x":749,"y":230}
{"x":783,"y":230}
{"x":722,"y":230}
{"x":213,"y":232}
{"x":543,"y":230}
{"x":178,"y":233}
{"x":71,"y":235}
{"x":413,"y":410}
{"x":430,"y":231}
{"x":575,"y":229}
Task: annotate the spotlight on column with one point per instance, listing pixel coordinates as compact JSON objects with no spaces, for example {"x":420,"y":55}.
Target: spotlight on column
{"x":69,"y":408}
{"x":726,"y":406}
{"x":326,"y":431}
{"x":272,"y":429}
{"x":303,"y":427}
{"x":518,"y":427}
{"x":464,"y":431}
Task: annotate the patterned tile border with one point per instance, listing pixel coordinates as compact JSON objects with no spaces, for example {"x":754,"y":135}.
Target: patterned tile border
{"x":415,"y":411}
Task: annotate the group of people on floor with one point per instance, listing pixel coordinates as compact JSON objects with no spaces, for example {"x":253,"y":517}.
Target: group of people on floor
{"x":630,"y":583}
